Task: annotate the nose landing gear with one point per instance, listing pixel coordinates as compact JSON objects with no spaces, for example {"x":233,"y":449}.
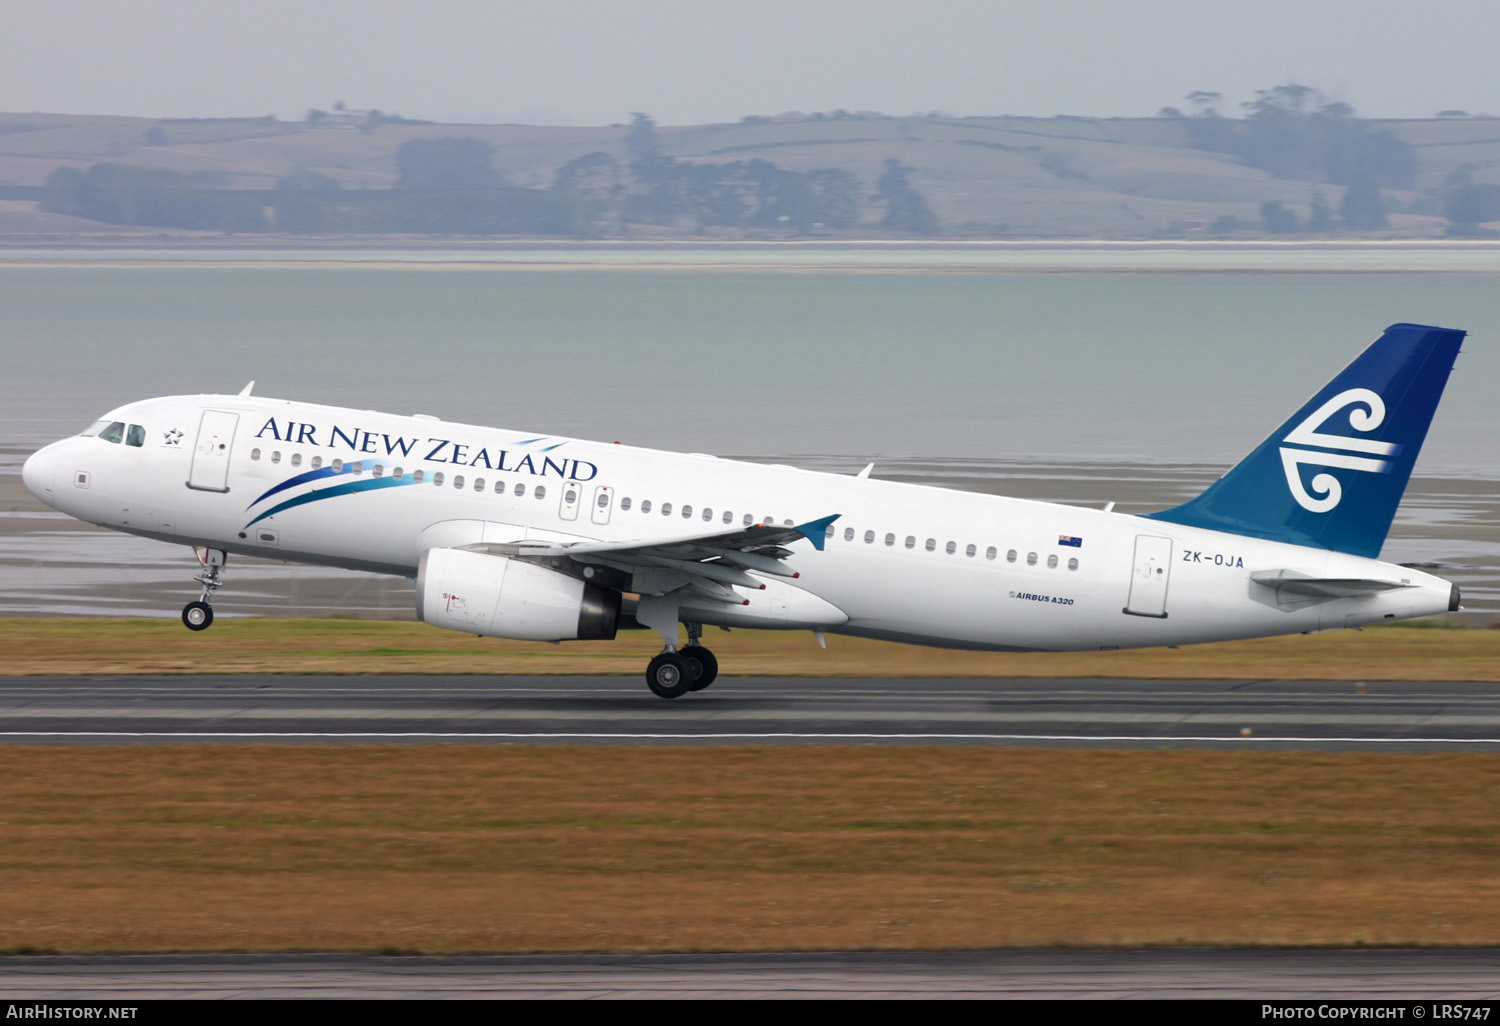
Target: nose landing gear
{"x":199,"y":616}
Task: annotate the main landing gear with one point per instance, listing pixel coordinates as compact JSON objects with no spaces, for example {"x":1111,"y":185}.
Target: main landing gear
{"x":199,"y":616}
{"x":675,"y":672}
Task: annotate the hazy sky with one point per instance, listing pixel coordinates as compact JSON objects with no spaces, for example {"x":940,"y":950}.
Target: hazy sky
{"x":691,"y":61}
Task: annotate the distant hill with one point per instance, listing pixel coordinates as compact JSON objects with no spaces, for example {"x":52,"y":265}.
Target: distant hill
{"x":1062,"y":177}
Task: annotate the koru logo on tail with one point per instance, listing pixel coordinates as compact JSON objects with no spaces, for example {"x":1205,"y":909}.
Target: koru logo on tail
{"x":1366,"y":413}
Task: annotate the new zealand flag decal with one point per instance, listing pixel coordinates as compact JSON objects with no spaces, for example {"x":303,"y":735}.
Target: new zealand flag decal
{"x":1068,"y":539}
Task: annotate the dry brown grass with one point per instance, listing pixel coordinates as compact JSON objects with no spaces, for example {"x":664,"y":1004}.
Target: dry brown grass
{"x":509,"y":849}
{"x":70,"y":646}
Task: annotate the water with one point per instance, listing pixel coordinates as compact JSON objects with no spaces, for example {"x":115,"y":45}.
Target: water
{"x":1076,"y":385}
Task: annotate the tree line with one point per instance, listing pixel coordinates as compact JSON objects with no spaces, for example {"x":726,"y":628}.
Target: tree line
{"x":1292,"y":131}
{"x":450,"y":186}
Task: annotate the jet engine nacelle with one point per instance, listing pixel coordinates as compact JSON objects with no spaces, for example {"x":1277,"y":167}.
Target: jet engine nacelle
{"x":510,"y":598}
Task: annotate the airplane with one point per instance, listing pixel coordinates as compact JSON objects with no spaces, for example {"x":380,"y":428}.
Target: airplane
{"x":539,"y":537}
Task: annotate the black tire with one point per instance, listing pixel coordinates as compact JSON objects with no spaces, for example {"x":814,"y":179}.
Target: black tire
{"x":708,"y":666}
{"x":197,"y":616}
{"x":669,"y":675}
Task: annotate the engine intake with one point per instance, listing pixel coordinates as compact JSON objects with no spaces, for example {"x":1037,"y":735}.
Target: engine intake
{"x":510,"y":598}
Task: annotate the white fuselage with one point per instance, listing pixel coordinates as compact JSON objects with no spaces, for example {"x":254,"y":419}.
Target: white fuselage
{"x":904,"y":562}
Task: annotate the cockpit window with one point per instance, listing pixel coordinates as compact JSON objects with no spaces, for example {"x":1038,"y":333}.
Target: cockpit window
{"x":94,"y":428}
{"x":135,"y":435}
{"x":114,"y":433}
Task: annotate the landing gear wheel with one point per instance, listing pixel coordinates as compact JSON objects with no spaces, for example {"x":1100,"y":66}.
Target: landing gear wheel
{"x":707,"y":663}
{"x":670,"y":675}
{"x":197,"y":616}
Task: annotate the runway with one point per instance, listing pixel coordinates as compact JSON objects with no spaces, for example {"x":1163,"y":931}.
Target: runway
{"x":1278,"y":714}
{"x":1261,"y":975}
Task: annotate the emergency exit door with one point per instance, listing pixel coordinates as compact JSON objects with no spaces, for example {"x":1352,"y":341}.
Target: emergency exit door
{"x":1149,"y":575}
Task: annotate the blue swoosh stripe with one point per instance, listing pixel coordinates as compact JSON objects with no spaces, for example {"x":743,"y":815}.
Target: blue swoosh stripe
{"x":330,"y":493}
{"x":303,"y":478}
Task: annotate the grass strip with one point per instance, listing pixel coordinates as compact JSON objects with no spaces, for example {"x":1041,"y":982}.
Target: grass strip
{"x":445,"y":849}
{"x":114,"y":646}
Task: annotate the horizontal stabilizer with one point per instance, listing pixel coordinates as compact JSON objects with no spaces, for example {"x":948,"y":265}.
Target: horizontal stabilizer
{"x":1293,"y":582}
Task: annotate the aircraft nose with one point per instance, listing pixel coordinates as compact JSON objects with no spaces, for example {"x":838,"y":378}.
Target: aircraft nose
{"x":37,"y":474}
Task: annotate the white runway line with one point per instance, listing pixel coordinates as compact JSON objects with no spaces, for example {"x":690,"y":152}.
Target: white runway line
{"x":594,"y":736}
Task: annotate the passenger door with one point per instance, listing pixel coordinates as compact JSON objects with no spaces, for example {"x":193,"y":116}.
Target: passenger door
{"x":210,"y":469}
{"x":1149,"y":575}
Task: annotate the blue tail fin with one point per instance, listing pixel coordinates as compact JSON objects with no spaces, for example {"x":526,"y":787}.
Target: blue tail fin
{"x":1332,"y":475}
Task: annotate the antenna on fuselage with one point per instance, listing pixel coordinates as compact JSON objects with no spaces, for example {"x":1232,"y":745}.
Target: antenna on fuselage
{"x":247,"y":388}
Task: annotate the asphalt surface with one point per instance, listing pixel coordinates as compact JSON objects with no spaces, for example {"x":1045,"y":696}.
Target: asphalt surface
{"x":1260,"y":975}
{"x":748,"y":710}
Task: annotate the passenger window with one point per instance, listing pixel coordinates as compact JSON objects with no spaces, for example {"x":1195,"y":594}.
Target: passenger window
{"x":603,"y":499}
{"x":625,"y":503}
{"x":136,"y":436}
{"x":1010,"y":556}
{"x":728,"y":517}
{"x":520,"y":488}
{"x":989,"y":553}
{"x":358,"y":468}
{"x":828,"y":532}
{"x":1073,"y":563}
{"x":499,"y":487}
{"x":297,"y":460}
{"x":398,"y":473}
{"x":337,"y":466}
{"x":645,"y":505}
{"x":317,"y":461}
{"x":749,"y":519}
{"x":970,"y":550}
{"x":890,"y":539}
{"x":1052,"y":562}
{"x":377,"y":471}
{"x":437,"y":478}
{"x":276,"y":458}
{"x":418,"y":476}
{"x":255,"y":454}
{"x":114,"y":433}
{"x":540,"y":492}
{"x":931,"y":544}
{"x":570,"y":496}
{"x":869,"y":537}
{"x":666,"y":509}
{"x":848,"y":534}
{"x":687,"y":512}
{"x":479,"y":484}
{"x":951,"y":548}
{"x":708,"y":515}
{"x":1031,"y":559}
{"x":911,"y":541}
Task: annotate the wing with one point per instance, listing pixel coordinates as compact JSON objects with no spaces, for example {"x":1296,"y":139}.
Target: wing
{"x":712,"y":564}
